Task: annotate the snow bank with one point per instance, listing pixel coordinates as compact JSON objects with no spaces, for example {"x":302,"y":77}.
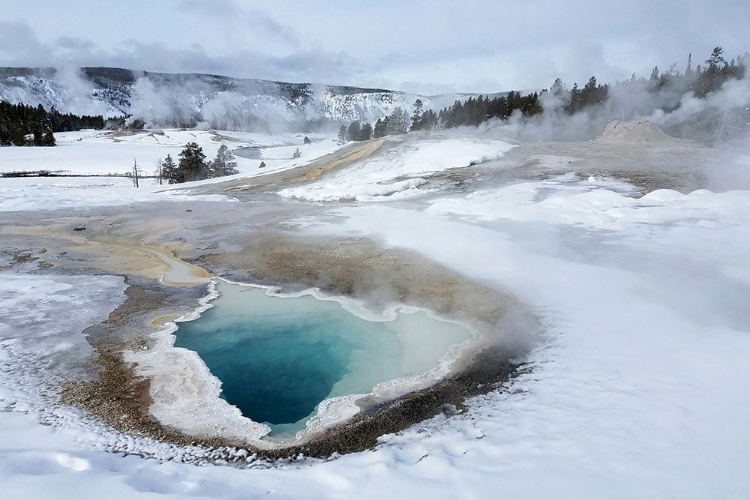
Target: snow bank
{"x":381,"y":177}
{"x":594,"y":204}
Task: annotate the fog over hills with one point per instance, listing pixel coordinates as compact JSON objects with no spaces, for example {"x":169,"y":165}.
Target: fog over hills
{"x":202,"y":100}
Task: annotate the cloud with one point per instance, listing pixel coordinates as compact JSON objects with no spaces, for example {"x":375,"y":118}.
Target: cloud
{"x":299,"y":65}
{"x":77,"y":44}
{"x":227,"y":20}
{"x":437,"y":46}
{"x":19,"y":44}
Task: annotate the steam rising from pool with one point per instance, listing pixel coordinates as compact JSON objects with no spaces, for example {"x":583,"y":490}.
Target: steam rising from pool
{"x":279,"y":358}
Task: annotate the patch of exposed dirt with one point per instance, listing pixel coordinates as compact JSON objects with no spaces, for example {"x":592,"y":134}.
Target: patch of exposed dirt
{"x":348,"y":157}
{"x":357,"y":267}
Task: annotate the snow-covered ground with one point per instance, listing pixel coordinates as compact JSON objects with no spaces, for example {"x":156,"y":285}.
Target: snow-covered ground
{"x":98,"y":153}
{"x":399,"y":172}
{"x":639,"y":388}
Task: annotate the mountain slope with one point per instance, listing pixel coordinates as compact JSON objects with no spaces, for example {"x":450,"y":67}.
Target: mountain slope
{"x":161,"y":99}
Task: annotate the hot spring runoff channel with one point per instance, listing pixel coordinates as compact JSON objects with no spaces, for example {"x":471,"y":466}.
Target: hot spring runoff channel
{"x":278,"y":358}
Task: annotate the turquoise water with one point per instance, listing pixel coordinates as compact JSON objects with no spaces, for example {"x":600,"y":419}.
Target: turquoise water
{"x":278,"y":358}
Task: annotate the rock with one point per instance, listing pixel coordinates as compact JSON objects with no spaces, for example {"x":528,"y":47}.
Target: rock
{"x":450,"y":410}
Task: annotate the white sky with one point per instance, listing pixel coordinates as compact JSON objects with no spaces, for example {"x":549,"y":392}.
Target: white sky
{"x":422,"y":46}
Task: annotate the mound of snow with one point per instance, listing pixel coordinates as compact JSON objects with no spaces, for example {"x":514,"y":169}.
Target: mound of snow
{"x":398,"y":173}
{"x":629,"y":132}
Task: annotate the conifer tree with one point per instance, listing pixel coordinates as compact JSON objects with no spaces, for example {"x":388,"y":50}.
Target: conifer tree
{"x":224,"y":163}
{"x":192,"y":164}
{"x":354,"y":131}
{"x":343,"y":135}
{"x":416,"y":117}
{"x":365,"y":133}
{"x":168,"y":170}
{"x":48,"y":139}
{"x":380,"y":126}
{"x":398,"y":122}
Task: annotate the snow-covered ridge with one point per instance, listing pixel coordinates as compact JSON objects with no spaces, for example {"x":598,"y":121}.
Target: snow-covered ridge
{"x":195,"y":99}
{"x":399,"y":172}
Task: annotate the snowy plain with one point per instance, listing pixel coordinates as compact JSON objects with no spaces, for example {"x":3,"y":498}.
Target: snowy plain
{"x":96,"y":152}
{"x":97,"y":155}
{"x":637,"y":390}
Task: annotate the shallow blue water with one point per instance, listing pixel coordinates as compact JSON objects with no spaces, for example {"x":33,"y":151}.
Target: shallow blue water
{"x":278,"y":358}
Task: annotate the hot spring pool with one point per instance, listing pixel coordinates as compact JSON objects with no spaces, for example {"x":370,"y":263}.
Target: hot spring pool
{"x":278,"y":358}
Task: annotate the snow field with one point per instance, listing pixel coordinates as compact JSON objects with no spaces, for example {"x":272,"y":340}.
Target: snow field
{"x":97,"y":153}
{"x":397,"y":173}
{"x":638,"y":390}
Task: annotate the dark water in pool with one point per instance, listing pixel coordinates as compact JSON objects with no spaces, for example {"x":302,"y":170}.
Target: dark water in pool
{"x":274,"y":369}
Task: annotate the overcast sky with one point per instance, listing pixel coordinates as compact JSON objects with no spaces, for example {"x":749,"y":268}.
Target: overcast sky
{"x":424,"y":46}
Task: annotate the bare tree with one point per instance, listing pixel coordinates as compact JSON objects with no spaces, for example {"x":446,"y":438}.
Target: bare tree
{"x":135,"y":174}
{"x":159,"y":172}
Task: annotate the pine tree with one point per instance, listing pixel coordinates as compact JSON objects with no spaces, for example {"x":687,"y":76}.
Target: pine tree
{"x":48,"y":139}
{"x":343,"y":136}
{"x":429,"y":120}
{"x":416,"y":117}
{"x":398,"y":122}
{"x":224,"y":163}
{"x":379,"y":130}
{"x":19,"y":135}
{"x":354,"y":131}
{"x":365,"y":133}
{"x":192,"y":164}
{"x":716,"y":59}
{"x":558,"y":88}
{"x":168,"y":170}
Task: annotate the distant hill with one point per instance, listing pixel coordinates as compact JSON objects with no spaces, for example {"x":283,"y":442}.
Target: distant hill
{"x":189,"y":100}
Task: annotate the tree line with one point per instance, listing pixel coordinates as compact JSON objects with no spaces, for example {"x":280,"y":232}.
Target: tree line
{"x":668,"y":86}
{"x":471,"y":112}
{"x":192,"y":165}
{"x":703,"y":79}
{"x":22,"y":125}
